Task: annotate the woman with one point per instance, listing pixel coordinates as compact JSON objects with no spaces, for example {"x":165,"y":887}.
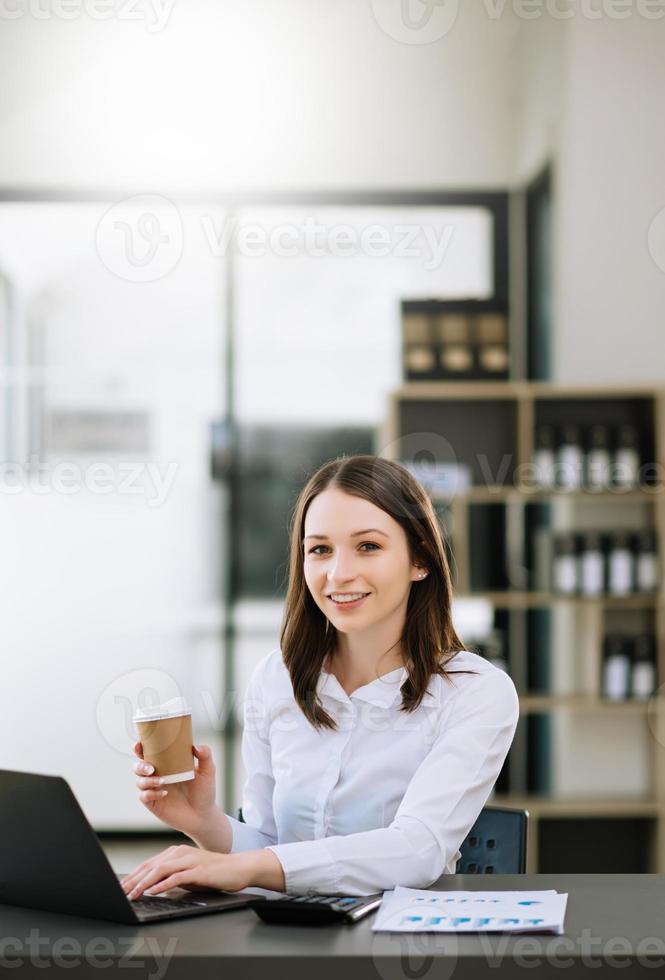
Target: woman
{"x":372,"y":739}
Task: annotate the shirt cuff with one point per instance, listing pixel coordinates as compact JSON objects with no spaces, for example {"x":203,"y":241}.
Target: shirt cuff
{"x":309,"y":867}
{"x":245,"y":838}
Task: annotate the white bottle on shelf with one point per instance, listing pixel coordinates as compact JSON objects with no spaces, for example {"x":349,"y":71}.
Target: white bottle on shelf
{"x":647,"y":563}
{"x":598,"y":460}
{"x":621,"y":564}
{"x":643,"y":675}
{"x":570,"y":458}
{"x":627,"y":458}
{"x":616,"y":668}
{"x":592,"y":565}
{"x":565,"y":569}
{"x":544,"y":458}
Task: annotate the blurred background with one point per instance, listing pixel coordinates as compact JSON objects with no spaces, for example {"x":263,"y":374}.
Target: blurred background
{"x":237,"y":240}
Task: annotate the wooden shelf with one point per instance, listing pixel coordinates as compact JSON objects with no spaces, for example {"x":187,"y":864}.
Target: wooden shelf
{"x":543,"y":806}
{"x":527,"y":390}
{"x":495,"y":423}
{"x":498,"y":495}
{"x":535,"y":703}
{"x":542,"y":600}
{"x":462,"y":390}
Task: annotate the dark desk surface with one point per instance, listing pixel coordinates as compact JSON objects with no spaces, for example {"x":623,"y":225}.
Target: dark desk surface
{"x":613,"y":922}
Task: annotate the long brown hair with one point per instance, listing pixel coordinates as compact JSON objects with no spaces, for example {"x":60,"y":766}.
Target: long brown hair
{"x":307,"y":636}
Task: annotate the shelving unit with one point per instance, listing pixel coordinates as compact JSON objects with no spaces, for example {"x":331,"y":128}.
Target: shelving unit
{"x":464,"y":421}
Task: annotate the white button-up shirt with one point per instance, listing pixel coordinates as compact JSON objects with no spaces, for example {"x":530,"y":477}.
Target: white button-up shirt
{"x":388,"y":797}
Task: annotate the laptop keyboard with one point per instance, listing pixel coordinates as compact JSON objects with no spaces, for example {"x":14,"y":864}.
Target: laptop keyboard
{"x":165,"y":904}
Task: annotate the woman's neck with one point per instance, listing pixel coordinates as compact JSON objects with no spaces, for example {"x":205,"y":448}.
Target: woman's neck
{"x":355,"y":666}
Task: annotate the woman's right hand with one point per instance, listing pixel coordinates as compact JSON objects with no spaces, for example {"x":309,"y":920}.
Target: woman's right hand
{"x":185,"y":806}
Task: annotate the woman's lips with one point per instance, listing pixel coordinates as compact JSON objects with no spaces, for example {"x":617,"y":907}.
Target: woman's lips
{"x":349,"y":605}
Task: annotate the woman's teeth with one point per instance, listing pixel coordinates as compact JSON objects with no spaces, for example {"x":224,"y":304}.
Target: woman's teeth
{"x":353,"y":597}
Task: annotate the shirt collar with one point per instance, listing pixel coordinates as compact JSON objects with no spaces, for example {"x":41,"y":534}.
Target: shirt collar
{"x":384,"y":691}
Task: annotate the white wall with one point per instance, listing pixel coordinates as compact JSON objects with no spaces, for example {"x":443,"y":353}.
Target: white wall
{"x":610,"y":167}
{"x":589,"y":97}
{"x":295,"y":93}
{"x":591,"y":101}
{"x":105,"y":594}
{"x":538,"y":80}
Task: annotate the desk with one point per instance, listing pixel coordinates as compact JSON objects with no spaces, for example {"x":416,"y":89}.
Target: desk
{"x":613,"y":922}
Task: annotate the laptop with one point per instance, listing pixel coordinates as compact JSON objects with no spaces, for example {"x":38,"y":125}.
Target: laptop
{"x":51,"y":859}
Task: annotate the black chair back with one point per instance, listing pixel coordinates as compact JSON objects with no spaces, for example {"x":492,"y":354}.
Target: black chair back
{"x":496,"y":844}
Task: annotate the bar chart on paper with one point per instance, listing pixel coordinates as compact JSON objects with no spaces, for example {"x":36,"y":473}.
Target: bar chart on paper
{"x":411,"y":910}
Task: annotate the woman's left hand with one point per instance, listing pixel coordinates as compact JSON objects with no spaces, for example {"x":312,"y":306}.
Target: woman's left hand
{"x":188,"y":867}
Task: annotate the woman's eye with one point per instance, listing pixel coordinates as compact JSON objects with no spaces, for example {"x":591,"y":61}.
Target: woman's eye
{"x":369,"y":544}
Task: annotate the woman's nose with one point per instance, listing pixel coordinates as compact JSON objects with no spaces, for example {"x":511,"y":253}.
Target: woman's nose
{"x":342,"y":569}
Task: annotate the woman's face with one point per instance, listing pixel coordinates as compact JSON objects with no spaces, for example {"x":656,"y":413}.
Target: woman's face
{"x":356,"y":559}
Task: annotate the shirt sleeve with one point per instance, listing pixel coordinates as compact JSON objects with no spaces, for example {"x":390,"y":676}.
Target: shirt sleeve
{"x":258,"y":829}
{"x":439,"y":807}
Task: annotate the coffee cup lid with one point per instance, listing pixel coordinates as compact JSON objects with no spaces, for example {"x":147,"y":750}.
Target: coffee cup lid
{"x":167,"y":709}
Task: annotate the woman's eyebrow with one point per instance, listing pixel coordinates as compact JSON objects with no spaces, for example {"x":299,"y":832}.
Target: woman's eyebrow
{"x":369,"y":530}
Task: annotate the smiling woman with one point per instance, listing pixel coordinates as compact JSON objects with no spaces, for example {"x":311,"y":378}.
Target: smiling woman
{"x":372,"y":738}
{"x":375,"y":592}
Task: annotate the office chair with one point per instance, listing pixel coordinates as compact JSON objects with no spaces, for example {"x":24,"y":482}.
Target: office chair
{"x":496,"y":844}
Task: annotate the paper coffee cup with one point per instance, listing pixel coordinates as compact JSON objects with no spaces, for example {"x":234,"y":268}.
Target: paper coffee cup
{"x":165,"y":731}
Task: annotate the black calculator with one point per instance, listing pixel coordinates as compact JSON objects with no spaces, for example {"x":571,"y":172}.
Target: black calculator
{"x":315,"y":910}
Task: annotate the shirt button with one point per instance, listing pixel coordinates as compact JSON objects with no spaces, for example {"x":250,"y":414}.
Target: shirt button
{"x":345,"y":719}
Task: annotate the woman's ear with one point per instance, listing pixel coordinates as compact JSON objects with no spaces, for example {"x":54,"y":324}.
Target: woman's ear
{"x":419,"y":573}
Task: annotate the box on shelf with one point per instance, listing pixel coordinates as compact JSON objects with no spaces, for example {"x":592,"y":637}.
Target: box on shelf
{"x":454,"y":340}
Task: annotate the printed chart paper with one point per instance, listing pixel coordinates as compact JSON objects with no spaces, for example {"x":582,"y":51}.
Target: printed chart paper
{"x":413,"y":910}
